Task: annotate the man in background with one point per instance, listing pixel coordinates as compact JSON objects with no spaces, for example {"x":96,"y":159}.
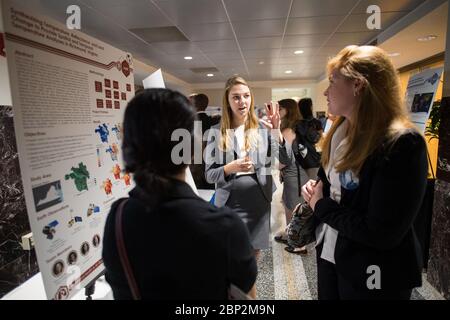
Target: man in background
{"x":200,"y":102}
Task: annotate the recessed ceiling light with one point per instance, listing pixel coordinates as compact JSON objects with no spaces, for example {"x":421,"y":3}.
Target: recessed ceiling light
{"x":261,"y":62}
{"x":188,"y":58}
{"x":298,"y":52}
{"x":210,"y":75}
{"x":288,"y":71}
{"x":393,"y":54}
{"x":427,"y":38}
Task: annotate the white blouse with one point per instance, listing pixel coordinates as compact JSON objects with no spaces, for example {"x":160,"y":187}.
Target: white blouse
{"x":240,"y":148}
{"x":324,"y":232}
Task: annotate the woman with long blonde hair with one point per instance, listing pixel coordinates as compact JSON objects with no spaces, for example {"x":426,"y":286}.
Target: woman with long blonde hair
{"x":238,"y":157}
{"x":372,"y":183}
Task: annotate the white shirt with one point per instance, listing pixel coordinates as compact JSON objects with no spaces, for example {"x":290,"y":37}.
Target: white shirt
{"x":324,"y":232}
{"x":239,"y":133}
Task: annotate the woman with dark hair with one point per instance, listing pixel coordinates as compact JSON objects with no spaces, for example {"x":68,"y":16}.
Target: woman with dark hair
{"x":291,"y":174}
{"x":179,"y":246}
{"x":309,"y":132}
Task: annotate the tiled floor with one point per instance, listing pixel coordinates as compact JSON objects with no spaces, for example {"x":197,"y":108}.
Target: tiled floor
{"x":286,"y":276}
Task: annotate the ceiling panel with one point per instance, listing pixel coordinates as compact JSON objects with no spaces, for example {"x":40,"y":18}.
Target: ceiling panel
{"x":260,"y":43}
{"x":210,"y":31}
{"x":304,"y":41}
{"x":313,"y":25}
{"x":186,"y":12}
{"x":217,"y":46}
{"x":314,"y":8}
{"x":141,"y":14}
{"x":239,"y":63}
{"x":257,"y":9}
{"x":183,"y":48}
{"x":261,"y":54}
{"x":345,"y":39}
{"x":259,"y":28}
{"x":233,"y":55}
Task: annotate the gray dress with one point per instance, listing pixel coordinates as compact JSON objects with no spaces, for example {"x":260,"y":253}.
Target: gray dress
{"x":291,"y":184}
{"x":248,"y":201}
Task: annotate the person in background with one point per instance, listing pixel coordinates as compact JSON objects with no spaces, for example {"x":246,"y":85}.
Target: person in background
{"x":372,"y":183}
{"x":200,"y":102}
{"x":237,"y":159}
{"x":291,"y":174}
{"x":311,"y":128}
{"x":179,"y":246}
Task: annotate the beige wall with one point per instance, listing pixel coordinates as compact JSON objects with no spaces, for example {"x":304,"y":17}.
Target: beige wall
{"x":319,"y":100}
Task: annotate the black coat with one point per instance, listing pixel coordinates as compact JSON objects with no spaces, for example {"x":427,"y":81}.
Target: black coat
{"x":375,"y":221}
{"x":181,"y":247}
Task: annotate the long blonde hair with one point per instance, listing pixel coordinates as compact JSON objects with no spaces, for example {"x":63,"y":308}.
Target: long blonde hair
{"x":379,"y":116}
{"x":251,"y":136}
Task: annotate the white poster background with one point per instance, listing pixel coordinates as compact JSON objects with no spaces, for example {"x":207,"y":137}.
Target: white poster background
{"x":69,"y":92}
{"x":420,"y":94}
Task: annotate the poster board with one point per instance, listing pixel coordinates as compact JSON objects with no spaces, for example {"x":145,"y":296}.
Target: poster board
{"x":69,"y":92}
{"x":420,"y":94}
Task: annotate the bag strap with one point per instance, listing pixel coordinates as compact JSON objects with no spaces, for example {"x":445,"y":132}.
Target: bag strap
{"x":123,"y":253}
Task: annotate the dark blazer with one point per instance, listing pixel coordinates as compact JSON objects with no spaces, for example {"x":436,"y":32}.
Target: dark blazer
{"x":179,"y":248}
{"x":375,"y":220}
{"x":262,"y":157}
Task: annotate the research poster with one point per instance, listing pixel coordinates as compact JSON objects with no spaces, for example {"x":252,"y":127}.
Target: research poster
{"x":420,"y":94}
{"x":69,"y":92}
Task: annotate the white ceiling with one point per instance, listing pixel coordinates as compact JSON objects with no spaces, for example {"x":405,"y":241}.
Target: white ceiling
{"x":234,"y":36}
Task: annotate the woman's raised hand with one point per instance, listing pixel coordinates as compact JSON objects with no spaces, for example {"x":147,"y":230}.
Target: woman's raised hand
{"x":273,"y":116}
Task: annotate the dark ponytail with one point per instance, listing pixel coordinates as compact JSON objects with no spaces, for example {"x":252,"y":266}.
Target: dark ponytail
{"x":150,"y":118}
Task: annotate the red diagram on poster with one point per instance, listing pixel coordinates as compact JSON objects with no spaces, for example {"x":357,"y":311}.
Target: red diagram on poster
{"x":108,"y":94}
{"x":116,"y":95}
{"x":98,"y":86}
{"x":107,"y":83}
{"x":128,"y":87}
{"x":109,"y":104}
{"x":125,"y":68}
{"x":124,"y":96}
{"x":99,"y":103}
{"x":116,"y":84}
{"x":116,"y":105}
